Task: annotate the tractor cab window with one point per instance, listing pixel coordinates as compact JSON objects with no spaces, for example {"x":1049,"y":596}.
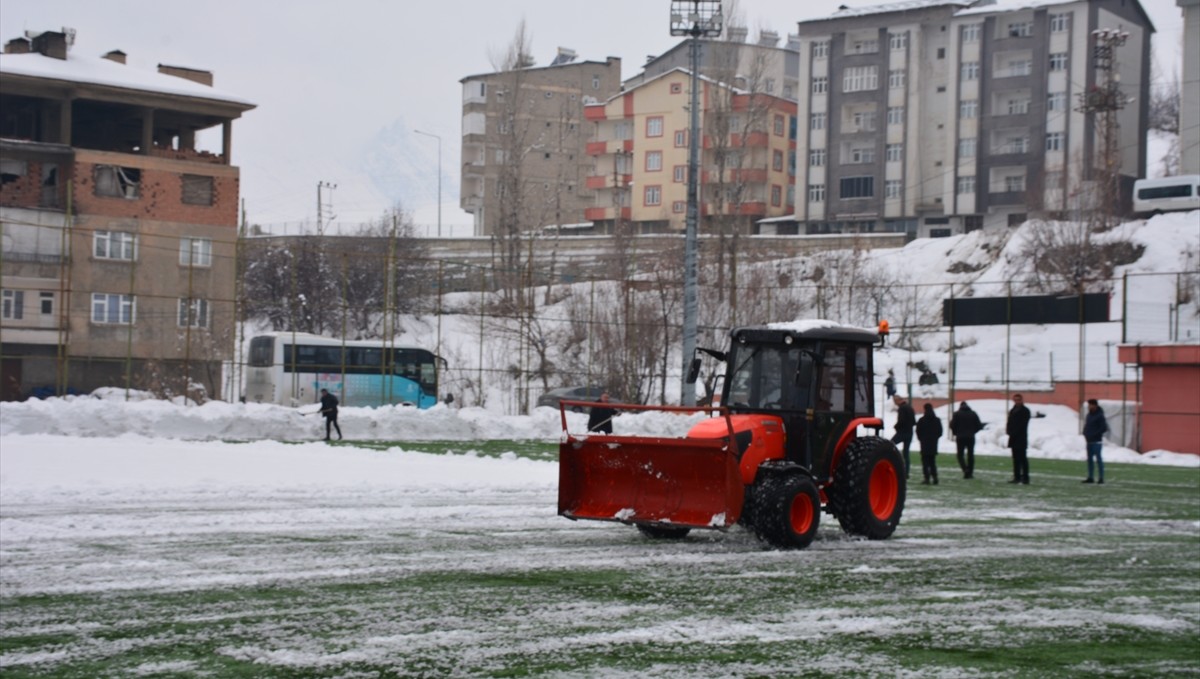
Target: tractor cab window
{"x":831,"y":381}
{"x":862,"y":381}
{"x":764,"y":377}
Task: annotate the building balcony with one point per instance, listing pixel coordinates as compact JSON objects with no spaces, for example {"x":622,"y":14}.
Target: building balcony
{"x":752,"y":140}
{"x":608,"y":181}
{"x":1003,"y":197}
{"x":596,"y":112}
{"x":604,"y":148}
{"x":598,"y":214}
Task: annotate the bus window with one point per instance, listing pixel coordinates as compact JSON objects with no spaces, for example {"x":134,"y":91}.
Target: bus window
{"x":262,"y":352}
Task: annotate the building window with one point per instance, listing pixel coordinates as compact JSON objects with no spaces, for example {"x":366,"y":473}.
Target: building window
{"x":898,"y":41}
{"x":968,"y":108}
{"x":1018,"y":107}
{"x":857,"y":187}
{"x":1059,"y":22}
{"x":970,"y":33}
{"x":193,"y":313}
{"x":680,"y":174}
{"x":1054,"y":141}
{"x":895,"y":115}
{"x":869,"y":46}
{"x":864,"y":121}
{"x":966,"y":148}
{"x":776,"y":195}
{"x":13,"y":305}
{"x":860,"y":78}
{"x":680,"y":138}
{"x":676,"y":88}
{"x":653,"y":161}
{"x":896,"y":79}
{"x":1056,"y":101}
{"x":777,"y":160}
{"x":47,"y":300}
{"x":1016,"y":145}
{"x":816,"y":193}
{"x":195,"y":251}
{"x":653,"y":195}
{"x":679,"y":207}
{"x":817,"y":121}
{"x":114,"y":245}
{"x":112,"y":309}
{"x":791,"y":194}
{"x":941,"y":53}
{"x":654,"y":126}
{"x":197,"y":189}
{"x":1014,"y":183}
{"x":779,"y":126}
{"x":1020,"y":29}
{"x":969,"y":70}
{"x":816,"y":158}
{"x":623,"y":130}
{"x":1017,"y":67}
{"x":770,"y":85}
{"x":862,"y":154}
{"x":966,"y":184}
{"x":1058,"y":61}
{"x":502,"y":127}
{"x":117,"y":182}
{"x":894,"y":153}
{"x":820,"y":85}
{"x":891,"y":188}
{"x":820,"y":50}
{"x":595,"y":82}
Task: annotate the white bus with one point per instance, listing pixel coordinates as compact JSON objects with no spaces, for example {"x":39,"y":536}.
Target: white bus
{"x":1166,"y":194}
{"x":292,"y":368}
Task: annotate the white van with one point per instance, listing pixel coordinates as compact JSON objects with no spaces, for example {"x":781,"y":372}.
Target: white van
{"x":1151,"y":196}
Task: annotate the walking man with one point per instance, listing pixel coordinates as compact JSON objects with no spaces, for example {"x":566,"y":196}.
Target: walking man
{"x":1017,"y":429}
{"x":1095,"y":425}
{"x":929,"y":430}
{"x":906,"y":419}
{"x":600,"y":418}
{"x":964,"y":425}
{"x":329,"y":407}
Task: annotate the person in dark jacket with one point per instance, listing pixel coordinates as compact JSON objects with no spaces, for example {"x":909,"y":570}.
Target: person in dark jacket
{"x":964,"y":425}
{"x":906,"y":419}
{"x":329,"y":405}
{"x":1095,"y":425}
{"x":1017,"y":429}
{"x":890,"y":384}
{"x":600,"y":418}
{"x":929,"y":430}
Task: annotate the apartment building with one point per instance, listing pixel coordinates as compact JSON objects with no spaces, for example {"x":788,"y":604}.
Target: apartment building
{"x":639,"y":149}
{"x":760,"y":66}
{"x":118,"y":233}
{"x":942,"y":116}
{"x":523,"y":143}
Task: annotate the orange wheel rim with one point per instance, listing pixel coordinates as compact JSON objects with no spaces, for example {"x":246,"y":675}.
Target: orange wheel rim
{"x":884,"y":490}
{"x":801,"y":515}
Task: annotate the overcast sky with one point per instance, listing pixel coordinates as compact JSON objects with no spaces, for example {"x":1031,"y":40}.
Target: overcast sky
{"x":328,"y":77}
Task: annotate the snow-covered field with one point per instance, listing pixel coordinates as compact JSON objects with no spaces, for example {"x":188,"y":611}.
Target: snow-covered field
{"x":136,"y":540}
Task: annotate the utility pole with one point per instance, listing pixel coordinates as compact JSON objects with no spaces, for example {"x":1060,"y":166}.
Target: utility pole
{"x":1102,"y":101}
{"x":321,"y":206}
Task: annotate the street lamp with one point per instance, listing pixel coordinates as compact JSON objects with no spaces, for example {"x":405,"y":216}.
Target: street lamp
{"x":695,"y":19}
{"x":439,"y":141}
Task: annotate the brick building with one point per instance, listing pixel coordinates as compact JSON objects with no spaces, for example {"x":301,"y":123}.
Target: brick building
{"x":119,"y":235}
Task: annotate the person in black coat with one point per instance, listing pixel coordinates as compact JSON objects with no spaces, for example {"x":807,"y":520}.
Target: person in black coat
{"x":329,"y":407}
{"x":1094,"y":428}
{"x":964,"y":425}
{"x":906,"y":419}
{"x":600,"y":418}
{"x":1017,"y":429}
{"x":929,"y":430}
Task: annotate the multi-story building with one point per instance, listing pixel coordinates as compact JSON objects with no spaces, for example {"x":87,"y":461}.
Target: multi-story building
{"x":118,"y":234}
{"x":639,"y":147}
{"x":523,"y":143}
{"x":1189,"y":94}
{"x":939,"y":116}
{"x":761,"y":66}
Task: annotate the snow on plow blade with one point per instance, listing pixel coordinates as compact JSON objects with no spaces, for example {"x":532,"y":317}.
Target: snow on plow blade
{"x":634,"y":479}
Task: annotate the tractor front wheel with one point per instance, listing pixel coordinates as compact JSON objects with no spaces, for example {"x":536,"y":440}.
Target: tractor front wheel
{"x":868,"y":489}
{"x":788,"y":511}
{"x":660,"y":532}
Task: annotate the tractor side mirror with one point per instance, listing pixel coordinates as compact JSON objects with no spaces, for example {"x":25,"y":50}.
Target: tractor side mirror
{"x":693,"y":371}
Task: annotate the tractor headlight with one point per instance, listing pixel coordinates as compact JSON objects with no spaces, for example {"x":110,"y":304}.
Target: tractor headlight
{"x":787,"y":339}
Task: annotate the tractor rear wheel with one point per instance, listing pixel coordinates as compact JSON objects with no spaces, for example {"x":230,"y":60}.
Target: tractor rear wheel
{"x":868,"y":489}
{"x":660,"y":532}
{"x":788,"y":511}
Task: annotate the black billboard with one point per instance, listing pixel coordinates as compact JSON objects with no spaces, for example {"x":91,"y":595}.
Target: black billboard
{"x":1034,"y":309}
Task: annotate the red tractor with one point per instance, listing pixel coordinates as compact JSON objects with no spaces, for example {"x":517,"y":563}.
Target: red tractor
{"x":784,"y":445}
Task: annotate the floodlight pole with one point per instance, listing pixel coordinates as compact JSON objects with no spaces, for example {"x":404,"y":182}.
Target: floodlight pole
{"x":439,"y":141}
{"x":696,"y":19}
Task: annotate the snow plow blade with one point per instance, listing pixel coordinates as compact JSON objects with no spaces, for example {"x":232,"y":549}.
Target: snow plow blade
{"x":642,"y":480}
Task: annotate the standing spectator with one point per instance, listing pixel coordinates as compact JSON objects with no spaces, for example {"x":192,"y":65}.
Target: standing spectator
{"x":964,"y":425}
{"x":929,"y":430}
{"x":1017,"y":429}
{"x":1095,"y":425}
{"x":329,"y":407}
{"x":890,"y":384}
{"x":906,"y":419}
{"x":600,"y":418}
